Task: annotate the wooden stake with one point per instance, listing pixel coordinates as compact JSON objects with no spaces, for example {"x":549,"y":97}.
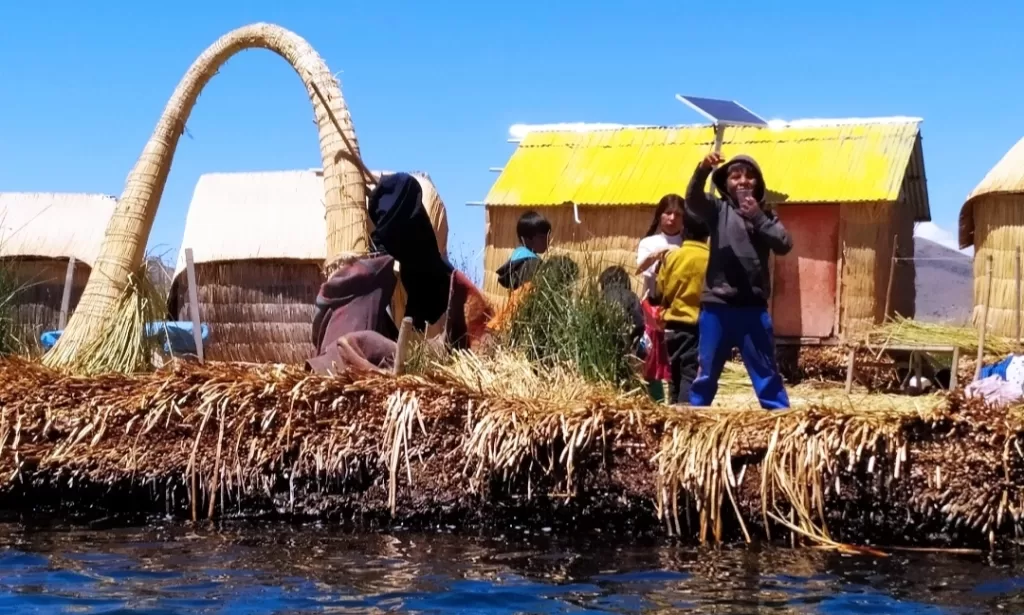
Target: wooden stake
{"x":953,"y":370}
{"x":404,"y":333}
{"x":984,"y":316}
{"x":1016,"y":275}
{"x":65,"y":301}
{"x":850,"y":366}
{"x":892,"y":273}
{"x":193,"y":303}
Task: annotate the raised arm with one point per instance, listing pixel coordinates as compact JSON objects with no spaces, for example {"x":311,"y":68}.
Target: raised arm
{"x":697,"y":200}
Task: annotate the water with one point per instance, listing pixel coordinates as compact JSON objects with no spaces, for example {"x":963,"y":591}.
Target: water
{"x":287,"y":569}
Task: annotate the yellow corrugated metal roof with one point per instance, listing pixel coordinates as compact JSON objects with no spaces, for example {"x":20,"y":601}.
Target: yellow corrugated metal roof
{"x":843,"y":162}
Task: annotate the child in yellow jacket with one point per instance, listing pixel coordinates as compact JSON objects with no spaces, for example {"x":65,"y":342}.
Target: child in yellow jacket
{"x":678,"y":289}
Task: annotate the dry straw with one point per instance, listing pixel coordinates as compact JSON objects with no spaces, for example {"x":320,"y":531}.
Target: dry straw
{"x":230,"y":438}
{"x":128,"y":231}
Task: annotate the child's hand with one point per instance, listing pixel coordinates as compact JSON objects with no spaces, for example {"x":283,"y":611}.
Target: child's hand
{"x":749,"y":208}
{"x":711,"y":161}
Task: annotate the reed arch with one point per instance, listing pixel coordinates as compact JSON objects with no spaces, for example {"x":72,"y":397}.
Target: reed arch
{"x":124,"y":244}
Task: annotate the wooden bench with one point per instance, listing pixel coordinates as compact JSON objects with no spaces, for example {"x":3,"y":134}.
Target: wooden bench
{"x":916,"y":353}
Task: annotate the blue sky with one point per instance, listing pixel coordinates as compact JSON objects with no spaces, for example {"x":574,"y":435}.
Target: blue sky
{"x":435,"y":86}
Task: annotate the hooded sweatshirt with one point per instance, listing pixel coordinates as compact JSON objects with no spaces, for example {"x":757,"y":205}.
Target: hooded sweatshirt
{"x":738,"y":272}
{"x":354,"y":299}
{"x":519,"y":269}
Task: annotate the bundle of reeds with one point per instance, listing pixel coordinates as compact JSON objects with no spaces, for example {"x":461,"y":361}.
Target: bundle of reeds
{"x":913,"y":332}
{"x":458,"y":445}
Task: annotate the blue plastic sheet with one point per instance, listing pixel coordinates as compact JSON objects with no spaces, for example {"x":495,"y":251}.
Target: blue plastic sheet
{"x":176,"y":336}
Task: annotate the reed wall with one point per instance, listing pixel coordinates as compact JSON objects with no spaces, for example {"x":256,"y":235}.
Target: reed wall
{"x":258,"y":311}
{"x":605,"y":236}
{"x":40,"y":284}
{"x":867,"y":233}
{"x":998,"y":232}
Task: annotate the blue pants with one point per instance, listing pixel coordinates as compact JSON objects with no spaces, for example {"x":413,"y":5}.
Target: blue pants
{"x":723,"y":328}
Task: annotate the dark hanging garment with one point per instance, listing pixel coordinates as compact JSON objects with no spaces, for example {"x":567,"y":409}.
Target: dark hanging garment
{"x":402,"y":229}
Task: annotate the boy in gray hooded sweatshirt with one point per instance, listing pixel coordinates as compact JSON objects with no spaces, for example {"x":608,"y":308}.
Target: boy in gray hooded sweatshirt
{"x":737,"y":287}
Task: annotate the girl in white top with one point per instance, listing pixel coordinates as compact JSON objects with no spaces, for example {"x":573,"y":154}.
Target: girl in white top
{"x":664,"y":235}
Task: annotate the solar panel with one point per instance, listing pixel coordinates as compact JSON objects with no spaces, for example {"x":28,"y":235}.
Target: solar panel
{"x":723,"y":112}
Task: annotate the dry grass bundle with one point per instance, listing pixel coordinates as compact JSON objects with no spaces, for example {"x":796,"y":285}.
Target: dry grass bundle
{"x":912,"y":332}
{"x":123,"y":345}
{"x":9,"y":342}
{"x":455,"y":444}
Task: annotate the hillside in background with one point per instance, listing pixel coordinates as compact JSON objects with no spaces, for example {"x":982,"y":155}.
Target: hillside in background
{"x":945,"y":283}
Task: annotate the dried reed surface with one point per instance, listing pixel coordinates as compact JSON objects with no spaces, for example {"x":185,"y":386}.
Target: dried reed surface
{"x":128,"y":230}
{"x":489,"y":441}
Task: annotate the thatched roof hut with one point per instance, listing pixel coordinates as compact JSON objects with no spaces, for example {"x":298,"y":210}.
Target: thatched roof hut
{"x":257,"y":241}
{"x":39,"y":233}
{"x":844,"y":189}
{"x":992,"y":220}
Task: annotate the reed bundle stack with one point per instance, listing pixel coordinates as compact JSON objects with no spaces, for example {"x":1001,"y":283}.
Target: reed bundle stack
{"x":473,"y":443}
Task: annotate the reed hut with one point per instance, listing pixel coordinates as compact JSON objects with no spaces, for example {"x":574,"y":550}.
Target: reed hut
{"x":844,"y":188}
{"x":39,"y":233}
{"x":992,"y":220}
{"x":257,"y":241}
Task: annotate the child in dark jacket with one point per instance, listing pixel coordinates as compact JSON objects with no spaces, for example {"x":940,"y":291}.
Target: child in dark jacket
{"x":515,"y":275}
{"x":737,"y":287}
{"x":614,"y":283}
{"x":678,"y":290}
{"x":533,"y":231}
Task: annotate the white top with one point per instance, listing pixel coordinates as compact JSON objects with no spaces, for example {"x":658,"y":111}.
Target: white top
{"x":650,"y":245}
{"x":1015,"y":371}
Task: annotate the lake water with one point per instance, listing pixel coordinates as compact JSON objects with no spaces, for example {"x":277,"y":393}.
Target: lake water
{"x":171,"y":568}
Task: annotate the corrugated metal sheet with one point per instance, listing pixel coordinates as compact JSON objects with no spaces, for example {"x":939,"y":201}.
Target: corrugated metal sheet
{"x":1007,"y":177}
{"x":845,"y":162}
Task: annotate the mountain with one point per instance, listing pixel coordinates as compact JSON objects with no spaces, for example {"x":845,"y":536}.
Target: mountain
{"x":945,"y":282}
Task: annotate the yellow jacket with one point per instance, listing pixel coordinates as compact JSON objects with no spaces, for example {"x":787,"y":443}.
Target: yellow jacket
{"x":681,"y":281}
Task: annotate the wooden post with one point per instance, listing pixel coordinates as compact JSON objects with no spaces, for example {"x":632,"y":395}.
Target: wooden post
{"x":892,"y":273}
{"x":193,"y":303}
{"x":850,"y":365}
{"x":404,"y":333}
{"x":1016,"y":275}
{"x":954,"y":369}
{"x":65,"y":301}
{"x":984,"y":316}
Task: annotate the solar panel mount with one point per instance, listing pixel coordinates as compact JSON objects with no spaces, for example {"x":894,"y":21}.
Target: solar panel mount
{"x":722,"y":113}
